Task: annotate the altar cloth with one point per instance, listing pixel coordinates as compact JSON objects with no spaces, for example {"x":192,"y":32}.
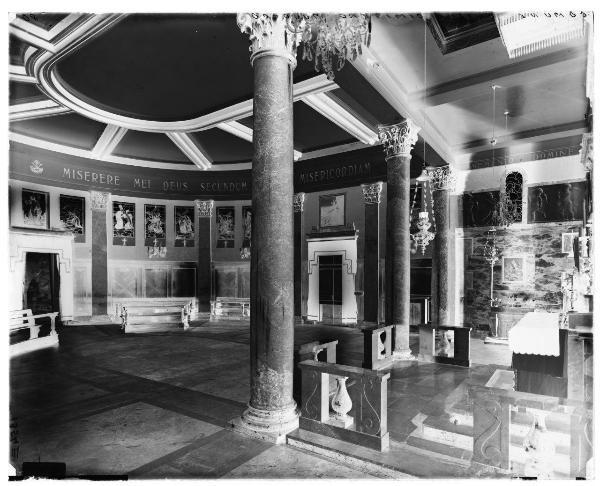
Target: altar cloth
{"x":535,"y":333}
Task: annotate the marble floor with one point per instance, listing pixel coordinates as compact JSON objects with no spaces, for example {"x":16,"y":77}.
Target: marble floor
{"x":158,"y":405}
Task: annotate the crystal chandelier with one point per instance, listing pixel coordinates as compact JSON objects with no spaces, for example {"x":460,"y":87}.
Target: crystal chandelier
{"x":330,"y":39}
{"x":422,"y":237}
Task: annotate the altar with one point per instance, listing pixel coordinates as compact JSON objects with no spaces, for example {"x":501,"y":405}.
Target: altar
{"x":540,"y":357}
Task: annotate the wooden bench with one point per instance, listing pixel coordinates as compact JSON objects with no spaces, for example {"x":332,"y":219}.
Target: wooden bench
{"x":154,"y":315}
{"x":24,"y":319}
{"x":230,"y":308}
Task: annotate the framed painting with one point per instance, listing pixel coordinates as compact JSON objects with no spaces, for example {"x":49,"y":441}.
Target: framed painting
{"x":568,"y":240}
{"x":35,"y":209}
{"x":469,"y":280}
{"x":556,"y":202}
{"x":155,"y":232}
{"x":184,"y":226}
{"x":225,"y":226}
{"x":513,"y":269}
{"x":72,"y":216}
{"x":247,"y":226}
{"x":123,"y":222}
{"x":332,"y":210}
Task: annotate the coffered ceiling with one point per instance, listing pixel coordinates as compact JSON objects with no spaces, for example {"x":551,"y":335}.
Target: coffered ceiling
{"x":177,"y":89}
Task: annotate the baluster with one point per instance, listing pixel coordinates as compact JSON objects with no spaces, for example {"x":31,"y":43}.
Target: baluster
{"x":341,"y":404}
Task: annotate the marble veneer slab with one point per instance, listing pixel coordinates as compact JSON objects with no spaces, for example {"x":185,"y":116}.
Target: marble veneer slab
{"x":116,"y":441}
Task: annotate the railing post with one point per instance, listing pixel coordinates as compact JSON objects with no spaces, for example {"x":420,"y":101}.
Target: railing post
{"x":315,"y":395}
{"x":373,"y":358}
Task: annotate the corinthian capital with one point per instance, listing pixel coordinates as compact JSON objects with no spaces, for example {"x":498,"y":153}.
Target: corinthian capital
{"x":372,"y":192}
{"x":299,"y":202}
{"x":398,"y":139}
{"x":270,"y":34}
{"x":99,"y":200}
{"x":204,"y":207}
{"x":442,"y":178}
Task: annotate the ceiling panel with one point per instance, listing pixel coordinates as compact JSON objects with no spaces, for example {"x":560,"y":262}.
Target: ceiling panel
{"x":16,"y":50}
{"x":223,"y":147}
{"x":150,"y":146}
{"x":312,"y":131}
{"x":43,"y":20}
{"x":69,"y":129}
{"x":24,"y":93}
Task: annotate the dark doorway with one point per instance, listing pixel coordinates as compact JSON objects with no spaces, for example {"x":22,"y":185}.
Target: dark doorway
{"x":330,"y":288}
{"x":41,"y":285}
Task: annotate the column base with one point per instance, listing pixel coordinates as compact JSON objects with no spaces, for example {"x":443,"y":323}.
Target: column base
{"x":403,"y":356}
{"x":268,"y":425}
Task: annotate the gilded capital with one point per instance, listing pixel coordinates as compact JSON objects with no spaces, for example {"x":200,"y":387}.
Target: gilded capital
{"x":99,"y":200}
{"x":270,"y":34}
{"x":399,"y":139}
{"x":442,"y":178}
{"x":204,"y":207}
{"x":372,"y":192}
{"x":299,"y":202}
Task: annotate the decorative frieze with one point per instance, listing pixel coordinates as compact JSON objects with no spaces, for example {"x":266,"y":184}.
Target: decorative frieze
{"x":399,"y":139}
{"x":299,"y":202}
{"x":372,"y":192}
{"x":204,"y":207}
{"x":269,"y":34}
{"x":442,"y":178}
{"x":99,"y":200}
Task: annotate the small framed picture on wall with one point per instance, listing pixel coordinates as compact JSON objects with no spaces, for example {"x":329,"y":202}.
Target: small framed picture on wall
{"x":568,"y":240}
{"x":72,"y":216}
{"x":184,"y":225}
{"x":513,"y":269}
{"x":469,"y":280}
{"x":123,"y":223}
{"x":225,"y":227}
{"x":332,"y":210}
{"x":35,"y":209}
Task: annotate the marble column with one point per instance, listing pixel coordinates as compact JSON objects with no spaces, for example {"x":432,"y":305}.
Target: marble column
{"x":100,"y":202}
{"x":204,"y":270}
{"x":442,"y":261}
{"x":298,"y":247}
{"x":271,"y":411}
{"x":398,"y":141}
{"x":372,"y":196}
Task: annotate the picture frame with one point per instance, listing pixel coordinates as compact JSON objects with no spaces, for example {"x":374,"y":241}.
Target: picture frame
{"x":72,"y":215}
{"x":513,"y":269}
{"x":567,"y":243}
{"x":123,"y":223}
{"x":35,"y":207}
{"x":155,"y":225}
{"x":467,"y":246}
{"x":225,"y":216}
{"x":332,"y":211}
{"x":247,"y":226}
{"x":184,"y":223}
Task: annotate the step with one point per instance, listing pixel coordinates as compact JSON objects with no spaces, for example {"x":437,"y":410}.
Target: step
{"x":153,"y":327}
{"x":442,"y":430}
{"x":416,"y":439}
{"x":400,"y":461}
{"x":142,"y":319}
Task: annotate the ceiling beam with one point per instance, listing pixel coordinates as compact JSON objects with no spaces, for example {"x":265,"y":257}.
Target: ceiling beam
{"x":517,"y":73}
{"x":35,"y":109}
{"x":193,"y":152}
{"x":533,"y":134}
{"x":245,"y":133}
{"x":332,"y":110}
{"x":108,"y":141}
{"x":19,"y":74}
{"x":376,"y":73}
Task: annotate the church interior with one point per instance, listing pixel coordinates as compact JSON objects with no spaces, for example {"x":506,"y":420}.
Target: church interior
{"x":301,"y":245}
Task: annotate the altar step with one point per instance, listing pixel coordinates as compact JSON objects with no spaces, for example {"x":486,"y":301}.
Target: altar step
{"x":451,"y":436}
